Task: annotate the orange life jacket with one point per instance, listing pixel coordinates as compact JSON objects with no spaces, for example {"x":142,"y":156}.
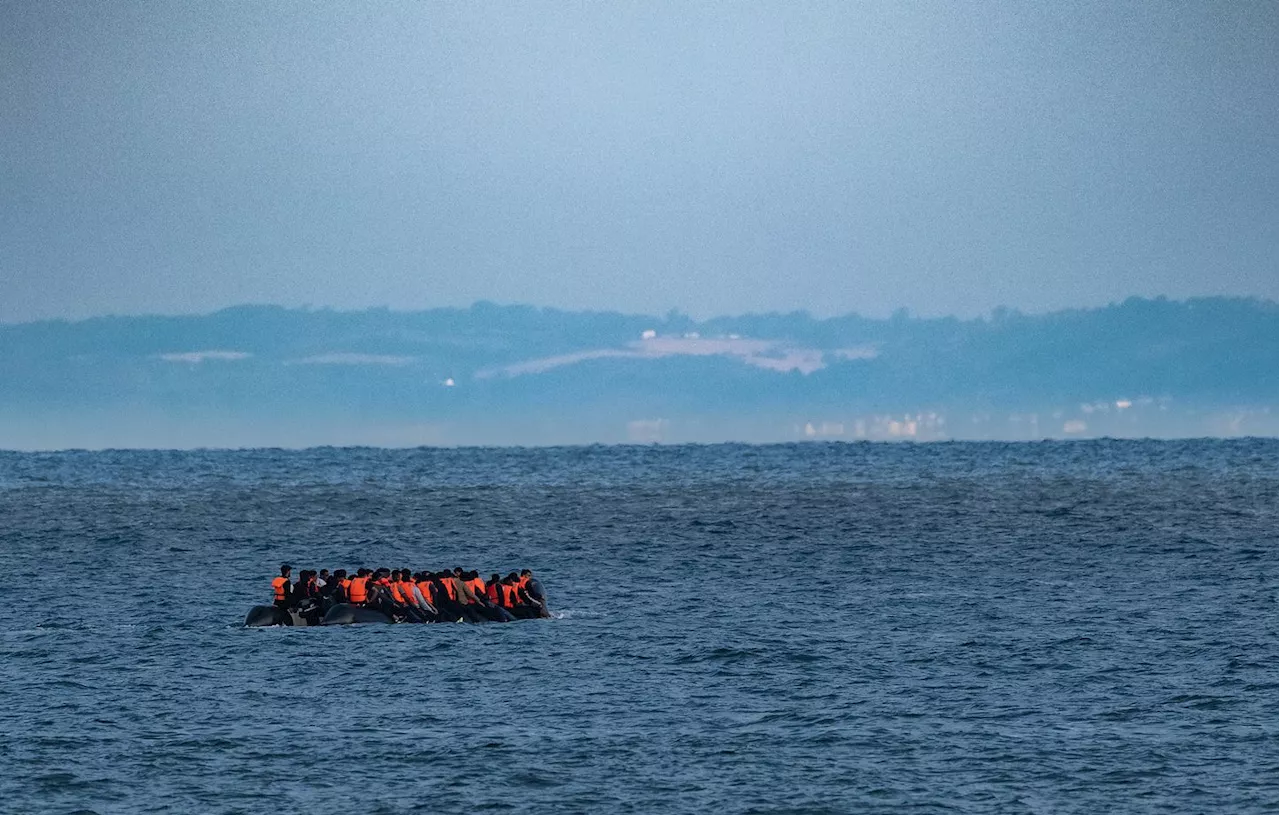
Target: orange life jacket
{"x":491,"y":591}
{"x":524,"y":581}
{"x":428,"y":591}
{"x":278,"y":586}
{"x":346,"y":587}
{"x":406,"y":588}
{"x":449,"y":588}
{"x":509,"y":597}
{"x":476,"y":585}
{"x":395,"y":592}
{"x":358,"y":592}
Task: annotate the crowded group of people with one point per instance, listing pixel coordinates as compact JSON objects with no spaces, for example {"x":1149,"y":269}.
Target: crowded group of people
{"x":407,"y":596}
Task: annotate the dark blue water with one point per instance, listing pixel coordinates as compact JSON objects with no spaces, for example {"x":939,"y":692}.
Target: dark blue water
{"x":988,"y":628}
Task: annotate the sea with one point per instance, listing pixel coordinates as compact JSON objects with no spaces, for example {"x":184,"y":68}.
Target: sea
{"x":1051,"y":627}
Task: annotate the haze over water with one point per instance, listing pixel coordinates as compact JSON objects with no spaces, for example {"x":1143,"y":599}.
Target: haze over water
{"x":984,"y":628}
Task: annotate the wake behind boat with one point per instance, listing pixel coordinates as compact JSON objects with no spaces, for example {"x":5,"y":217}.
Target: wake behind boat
{"x":398,"y":596}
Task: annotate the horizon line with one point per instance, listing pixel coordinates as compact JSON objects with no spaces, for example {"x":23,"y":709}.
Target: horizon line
{"x":899,"y":313}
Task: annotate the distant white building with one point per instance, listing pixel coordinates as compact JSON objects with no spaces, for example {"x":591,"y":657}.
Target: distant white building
{"x":648,"y":334}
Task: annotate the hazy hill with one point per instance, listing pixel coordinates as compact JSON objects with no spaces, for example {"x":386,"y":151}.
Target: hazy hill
{"x":263,"y":375}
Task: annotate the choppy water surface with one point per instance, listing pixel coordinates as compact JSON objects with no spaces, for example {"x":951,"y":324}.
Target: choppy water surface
{"x":1061,"y":627}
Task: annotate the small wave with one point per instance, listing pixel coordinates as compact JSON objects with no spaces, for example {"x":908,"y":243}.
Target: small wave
{"x":575,"y":614}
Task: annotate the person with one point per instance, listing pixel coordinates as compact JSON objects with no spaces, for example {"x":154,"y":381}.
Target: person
{"x":493,"y":589}
{"x":534,"y":591}
{"x":281,"y":588}
{"x":392,"y":583}
{"x":328,"y":584}
{"x":383,"y":594}
{"x":513,"y":599}
{"x":306,"y":597}
{"x":455,"y":606}
{"x":415,"y":584}
{"x":428,"y":589}
{"x":358,"y":591}
{"x":402,"y":597}
{"x":305,"y":589}
{"x":479,"y":600}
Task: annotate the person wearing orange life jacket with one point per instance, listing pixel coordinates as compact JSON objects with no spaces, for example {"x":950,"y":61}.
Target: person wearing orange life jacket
{"x":509,"y":594}
{"x":461,"y":599}
{"x":475,"y":583}
{"x":513,"y":599}
{"x":416,"y":597}
{"x":358,"y":590}
{"x":281,"y":589}
{"x":417,"y":588}
{"x":392,"y":582}
{"x":402,"y":596}
{"x":493,"y":589}
{"x":380,"y":587}
{"x":483,"y":604}
{"x":339,"y":585}
{"x":426,"y":587}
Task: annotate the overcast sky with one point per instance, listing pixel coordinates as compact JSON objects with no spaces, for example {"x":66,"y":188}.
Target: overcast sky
{"x":948,"y":157}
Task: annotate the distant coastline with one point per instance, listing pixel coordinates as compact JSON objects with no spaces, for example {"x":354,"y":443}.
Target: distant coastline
{"x":267,"y":376}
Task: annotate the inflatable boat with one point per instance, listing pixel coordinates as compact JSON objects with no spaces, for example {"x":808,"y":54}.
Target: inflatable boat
{"x":340,"y":614}
{"x":346,"y":614}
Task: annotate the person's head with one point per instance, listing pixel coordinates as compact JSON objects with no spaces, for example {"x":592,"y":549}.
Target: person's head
{"x":324,"y":573}
{"x":457,"y":570}
{"x":362,"y":572}
{"x":495,"y":578}
{"x":339,"y":574}
{"x":285,"y":569}
{"x":513,"y":576}
{"x":526,"y":573}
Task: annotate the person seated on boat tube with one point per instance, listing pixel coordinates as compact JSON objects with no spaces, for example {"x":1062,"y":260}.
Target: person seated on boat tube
{"x":477,"y":599}
{"x":385,"y":596}
{"x":378,"y":593}
{"x":471,"y":592}
{"x":336,"y":588}
{"x":414,"y":590}
{"x":281,"y":588}
{"x":454,"y":603}
{"x":533,"y":591}
{"x":306,"y":597}
{"x":358,"y":589}
{"x":402,"y":596}
{"x":493,"y":589}
{"x":305,"y":589}
{"x":413,"y":594}
{"x":426,"y":589}
{"x":507,"y":593}
{"x":516,"y":601}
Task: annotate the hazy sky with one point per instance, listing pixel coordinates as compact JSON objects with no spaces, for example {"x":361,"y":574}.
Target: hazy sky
{"x":716,"y":157}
